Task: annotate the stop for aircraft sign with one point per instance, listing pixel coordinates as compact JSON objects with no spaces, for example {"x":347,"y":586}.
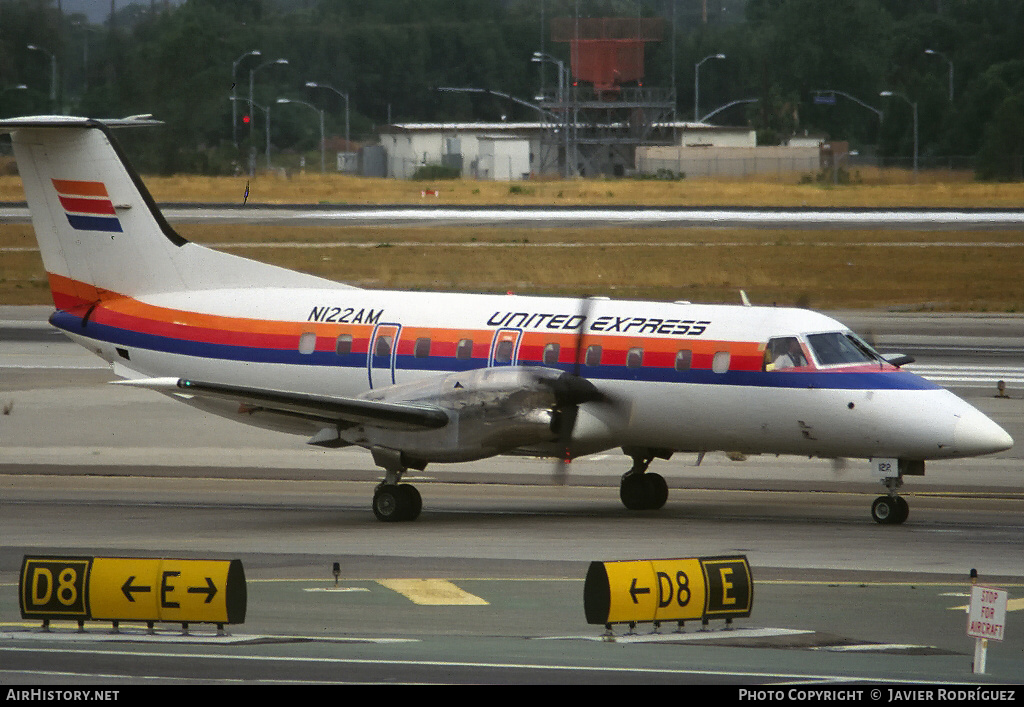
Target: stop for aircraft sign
{"x":986,"y":614}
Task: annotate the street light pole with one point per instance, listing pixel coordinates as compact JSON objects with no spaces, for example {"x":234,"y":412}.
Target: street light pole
{"x":696,"y":84}
{"x":234,"y":102}
{"x":914,"y":107}
{"x":323,"y":167}
{"x":252,"y":80}
{"x":563,"y":104}
{"x":314,"y":84}
{"x":940,"y":54}
{"x":53,"y":75}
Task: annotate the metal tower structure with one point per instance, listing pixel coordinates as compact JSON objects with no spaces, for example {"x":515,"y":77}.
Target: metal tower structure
{"x":602,"y":110}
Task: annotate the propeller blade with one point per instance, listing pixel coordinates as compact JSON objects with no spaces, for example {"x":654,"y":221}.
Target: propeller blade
{"x":570,"y":390}
{"x":586,"y":305}
{"x":566,"y":422}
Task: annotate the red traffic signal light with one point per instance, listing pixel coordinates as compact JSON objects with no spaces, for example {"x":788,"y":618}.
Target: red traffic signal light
{"x":246,"y":119}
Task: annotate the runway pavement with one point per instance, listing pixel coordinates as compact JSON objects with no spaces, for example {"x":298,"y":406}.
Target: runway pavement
{"x":92,"y":469}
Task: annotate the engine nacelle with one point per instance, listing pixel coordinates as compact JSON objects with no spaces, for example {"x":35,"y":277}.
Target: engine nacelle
{"x":491,"y":411}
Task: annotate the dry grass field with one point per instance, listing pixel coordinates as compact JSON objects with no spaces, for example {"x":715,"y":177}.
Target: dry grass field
{"x":823,"y":269}
{"x":942,"y":270}
{"x":876,"y":188}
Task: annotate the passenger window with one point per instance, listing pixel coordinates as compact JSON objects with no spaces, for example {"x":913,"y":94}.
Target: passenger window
{"x":343,"y":345}
{"x":551,"y":352}
{"x":503,"y":351}
{"x":422,"y":349}
{"x":683,"y":359}
{"x":464,"y":351}
{"x":720,"y":363}
{"x":307,"y":342}
{"x":383,"y":346}
{"x":635,"y":358}
{"x":783,"y":352}
{"x":593,"y":357}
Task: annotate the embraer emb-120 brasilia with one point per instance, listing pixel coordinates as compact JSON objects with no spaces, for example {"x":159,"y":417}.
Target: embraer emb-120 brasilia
{"x":419,"y":378}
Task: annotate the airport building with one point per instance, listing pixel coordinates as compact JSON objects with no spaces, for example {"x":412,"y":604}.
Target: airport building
{"x":511,"y":151}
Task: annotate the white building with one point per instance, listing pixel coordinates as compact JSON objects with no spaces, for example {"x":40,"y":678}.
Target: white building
{"x":503,"y":157}
{"x":509,"y":151}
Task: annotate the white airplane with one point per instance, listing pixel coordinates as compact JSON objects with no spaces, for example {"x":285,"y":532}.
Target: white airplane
{"x":418,"y":378}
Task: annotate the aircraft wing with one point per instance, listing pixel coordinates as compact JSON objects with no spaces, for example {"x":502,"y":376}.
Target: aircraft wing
{"x":317,"y":408}
{"x":449,"y":417}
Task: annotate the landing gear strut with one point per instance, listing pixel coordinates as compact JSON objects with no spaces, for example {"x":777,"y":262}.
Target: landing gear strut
{"x":890,"y":509}
{"x":392,"y":501}
{"x":639,"y":489}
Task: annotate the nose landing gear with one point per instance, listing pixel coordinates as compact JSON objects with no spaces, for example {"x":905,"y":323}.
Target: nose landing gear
{"x":890,"y":509}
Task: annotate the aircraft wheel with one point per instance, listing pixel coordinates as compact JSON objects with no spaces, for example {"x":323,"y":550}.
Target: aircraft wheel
{"x":904,"y":510}
{"x":393,"y":503}
{"x":889,"y":510}
{"x":643,"y":492}
{"x":389,"y":503}
{"x":413,"y":501}
{"x":657,"y":490}
{"x":633,"y":493}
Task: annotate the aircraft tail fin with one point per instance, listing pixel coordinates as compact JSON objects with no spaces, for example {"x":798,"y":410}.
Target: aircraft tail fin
{"x":98,"y":227}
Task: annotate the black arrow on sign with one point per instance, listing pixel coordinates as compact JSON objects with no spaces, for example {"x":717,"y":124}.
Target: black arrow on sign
{"x":634,"y":591}
{"x":127,"y":588}
{"x":210,"y":590}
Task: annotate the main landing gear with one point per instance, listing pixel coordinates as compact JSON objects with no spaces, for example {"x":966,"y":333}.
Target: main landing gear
{"x":890,"y":509}
{"x":639,"y":489}
{"x":392,"y":501}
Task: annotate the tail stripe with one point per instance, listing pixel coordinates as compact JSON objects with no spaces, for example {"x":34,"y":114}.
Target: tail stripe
{"x":75,"y":187}
{"x":73,"y":204}
{"x":95,"y":223}
{"x":81,"y":197}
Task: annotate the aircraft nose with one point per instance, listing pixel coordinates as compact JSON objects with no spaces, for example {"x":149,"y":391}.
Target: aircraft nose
{"x":975,"y":434}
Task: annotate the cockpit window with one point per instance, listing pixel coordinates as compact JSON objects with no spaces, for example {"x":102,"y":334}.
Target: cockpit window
{"x":836,"y":348}
{"x":784,"y":352}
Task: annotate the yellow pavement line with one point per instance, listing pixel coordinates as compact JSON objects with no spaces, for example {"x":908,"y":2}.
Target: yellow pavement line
{"x":432,"y":592}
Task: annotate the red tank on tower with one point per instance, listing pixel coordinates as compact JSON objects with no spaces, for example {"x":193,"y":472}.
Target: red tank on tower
{"x":609,"y":51}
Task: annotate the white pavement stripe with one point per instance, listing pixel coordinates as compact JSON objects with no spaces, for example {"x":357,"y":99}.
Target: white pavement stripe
{"x":392,"y":662}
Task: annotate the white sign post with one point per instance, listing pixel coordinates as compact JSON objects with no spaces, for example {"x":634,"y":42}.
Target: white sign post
{"x":986,"y":618}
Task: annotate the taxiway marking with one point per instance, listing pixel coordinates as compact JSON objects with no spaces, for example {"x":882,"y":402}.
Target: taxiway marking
{"x":432,"y":592}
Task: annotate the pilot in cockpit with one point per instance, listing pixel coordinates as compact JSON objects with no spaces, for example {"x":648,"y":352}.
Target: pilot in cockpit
{"x":786,"y":352}
{"x":792,"y":355}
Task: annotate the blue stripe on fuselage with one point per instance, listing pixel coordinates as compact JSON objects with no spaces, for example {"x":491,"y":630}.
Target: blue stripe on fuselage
{"x":833,"y":380}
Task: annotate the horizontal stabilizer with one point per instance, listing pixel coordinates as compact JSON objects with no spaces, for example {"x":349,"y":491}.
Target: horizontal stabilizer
{"x":69,"y":121}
